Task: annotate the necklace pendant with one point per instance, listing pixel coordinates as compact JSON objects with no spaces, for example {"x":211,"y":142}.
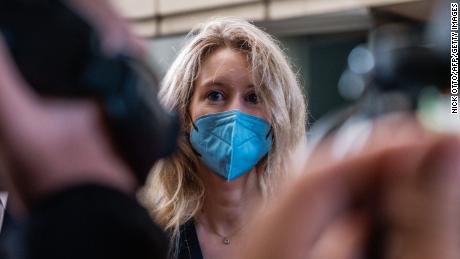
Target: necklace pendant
{"x":226,"y":241}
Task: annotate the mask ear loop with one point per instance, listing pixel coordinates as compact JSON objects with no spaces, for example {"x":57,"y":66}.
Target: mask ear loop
{"x":193,"y":124}
{"x":269,"y":132}
{"x":196,"y":128}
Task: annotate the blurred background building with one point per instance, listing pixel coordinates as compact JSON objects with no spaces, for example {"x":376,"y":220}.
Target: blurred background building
{"x":318,"y":35}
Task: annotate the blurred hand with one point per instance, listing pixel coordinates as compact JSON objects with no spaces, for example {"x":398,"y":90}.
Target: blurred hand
{"x":406,"y":176}
{"x":51,"y":144}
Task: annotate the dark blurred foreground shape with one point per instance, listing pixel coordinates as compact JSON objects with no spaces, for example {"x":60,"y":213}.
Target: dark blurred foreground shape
{"x":72,"y":213}
{"x":77,"y":66}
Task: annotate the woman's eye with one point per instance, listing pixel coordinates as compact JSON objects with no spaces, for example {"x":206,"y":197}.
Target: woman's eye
{"x":252,"y":98}
{"x":215,"y":96}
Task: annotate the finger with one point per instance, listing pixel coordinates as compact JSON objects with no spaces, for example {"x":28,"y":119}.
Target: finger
{"x":425,"y":208}
{"x":344,"y":238}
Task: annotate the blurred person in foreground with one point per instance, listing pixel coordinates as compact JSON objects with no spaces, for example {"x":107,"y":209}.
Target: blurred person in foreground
{"x":79,"y":201}
{"x":72,"y":194}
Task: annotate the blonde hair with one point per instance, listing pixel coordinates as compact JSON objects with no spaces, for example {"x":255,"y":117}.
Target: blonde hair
{"x":174,"y":192}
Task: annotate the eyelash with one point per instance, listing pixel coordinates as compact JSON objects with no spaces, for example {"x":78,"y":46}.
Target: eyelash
{"x":209,"y":94}
{"x":249,"y":94}
{"x":209,"y":97}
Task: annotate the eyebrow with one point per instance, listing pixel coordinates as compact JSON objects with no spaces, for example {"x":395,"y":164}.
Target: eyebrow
{"x":220,"y":82}
{"x":213,"y":82}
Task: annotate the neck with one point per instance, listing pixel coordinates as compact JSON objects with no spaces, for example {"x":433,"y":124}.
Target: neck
{"x":228,"y":205}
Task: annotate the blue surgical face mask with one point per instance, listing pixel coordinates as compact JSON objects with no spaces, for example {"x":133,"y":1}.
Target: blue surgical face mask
{"x":231,"y":143}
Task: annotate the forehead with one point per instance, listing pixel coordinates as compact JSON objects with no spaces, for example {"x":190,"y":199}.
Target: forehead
{"x":225,"y":64}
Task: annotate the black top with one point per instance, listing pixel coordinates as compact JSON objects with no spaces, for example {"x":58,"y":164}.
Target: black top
{"x":91,"y":222}
{"x":189,"y":246}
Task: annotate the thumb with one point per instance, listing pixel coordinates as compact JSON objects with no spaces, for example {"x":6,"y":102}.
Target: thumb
{"x":423,"y":208}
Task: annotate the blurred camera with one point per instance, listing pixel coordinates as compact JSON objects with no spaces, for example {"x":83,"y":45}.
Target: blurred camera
{"x":60,"y":54}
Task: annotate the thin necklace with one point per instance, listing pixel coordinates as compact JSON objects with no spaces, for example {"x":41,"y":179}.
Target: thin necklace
{"x":225,"y":238}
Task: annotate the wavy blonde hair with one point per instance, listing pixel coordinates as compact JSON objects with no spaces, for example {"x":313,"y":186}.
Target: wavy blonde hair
{"x":174,"y":193}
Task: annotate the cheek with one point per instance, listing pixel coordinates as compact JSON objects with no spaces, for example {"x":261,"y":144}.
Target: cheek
{"x":265,"y":114}
{"x":197,"y":107}
{"x":262,"y":113}
{"x":266,"y":111}
{"x":194,"y":107}
{"x":268,"y":116}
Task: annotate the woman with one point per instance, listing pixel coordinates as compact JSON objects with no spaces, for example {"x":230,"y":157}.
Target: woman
{"x":243,"y":113}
